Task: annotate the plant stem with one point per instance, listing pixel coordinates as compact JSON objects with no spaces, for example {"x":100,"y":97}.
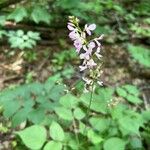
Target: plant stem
{"x":76,"y":134}
{"x":89,"y":106}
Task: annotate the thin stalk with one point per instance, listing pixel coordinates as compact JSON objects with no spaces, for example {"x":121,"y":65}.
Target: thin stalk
{"x":74,"y":126}
{"x":89,"y":106}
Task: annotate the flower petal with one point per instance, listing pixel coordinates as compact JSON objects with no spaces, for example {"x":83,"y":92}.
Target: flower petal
{"x":92,"y":27}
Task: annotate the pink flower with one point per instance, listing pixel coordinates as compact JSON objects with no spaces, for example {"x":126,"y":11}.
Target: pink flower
{"x":71,"y":28}
{"x":85,"y":56}
{"x":78,"y":45}
{"x":74,"y":35}
{"x":91,"y":45}
{"x":90,"y":28}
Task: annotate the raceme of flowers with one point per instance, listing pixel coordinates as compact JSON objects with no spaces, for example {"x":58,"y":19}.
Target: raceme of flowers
{"x":88,"y":50}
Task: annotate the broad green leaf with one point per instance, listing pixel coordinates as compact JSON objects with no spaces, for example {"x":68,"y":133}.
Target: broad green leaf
{"x":117,"y":112}
{"x":37,"y":115}
{"x":121,"y":92}
{"x":131,"y":89}
{"x":133,"y":99}
{"x":93,"y":137}
{"x":40,"y":14}
{"x":97,"y":104}
{"x":100,"y":124}
{"x":50,"y":82}
{"x":18,"y":14}
{"x":11,"y":107}
{"x":130,"y":125}
{"x":140,"y":54}
{"x":146,"y":115}
{"x":105,"y":94}
{"x":56,"y":92}
{"x":33,"y":137}
{"x":56,"y":132}
{"x":69,"y":101}
{"x":64,"y":113}
{"x":53,"y":145}
{"x":114,"y":143}
{"x":78,"y":113}
{"x":20,"y":116}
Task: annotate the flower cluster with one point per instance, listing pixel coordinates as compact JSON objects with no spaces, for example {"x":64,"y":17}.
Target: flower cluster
{"x":88,"y":50}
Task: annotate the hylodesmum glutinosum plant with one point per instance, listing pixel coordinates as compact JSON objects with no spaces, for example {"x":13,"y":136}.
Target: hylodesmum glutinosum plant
{"x":88,"y":51}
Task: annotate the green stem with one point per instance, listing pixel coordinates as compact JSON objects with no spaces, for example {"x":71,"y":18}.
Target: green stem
{"x":76,"y":134}
{"x":89,"y":106}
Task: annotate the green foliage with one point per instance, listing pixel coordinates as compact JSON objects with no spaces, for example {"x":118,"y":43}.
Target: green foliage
{"x":130,"y":93}
{"x":140,"y":54}
{"x":40,"y":14}
{"x":53,"y":145}
{"x":114,"y":143}
{"x":21,"y":40}
{"x":63,"y":117}
{"x":56,"y":132}
{"x":33,"y":137}
{"x":18,"y":14}
{"x":19,"y":103}
{"x":140,"y":31}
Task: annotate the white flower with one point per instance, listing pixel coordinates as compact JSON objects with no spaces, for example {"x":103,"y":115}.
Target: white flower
{"x":91,"y":63}
{"x":82,"y":68}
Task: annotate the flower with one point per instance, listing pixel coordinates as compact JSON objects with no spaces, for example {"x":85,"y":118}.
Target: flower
{"x":88,"y":50}
{"x":78,"y":45}
{"x":74,"y":35}
{"x":90,"y":28}
{"x":70,"y":27}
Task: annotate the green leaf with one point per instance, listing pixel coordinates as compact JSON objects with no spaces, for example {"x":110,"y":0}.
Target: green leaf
{"x":100,"y":124}
{"x":97,"y":105}
{"x":53,"y":145}
{"x":56,"y":132}
{"x":133,"y":99}
{"x":130,"y":125}
{"x":37,"y":115}
{"x":131,"y":89}
{"x":64,"y":113}
{"x":140,"y":54}
{"x":56,"y":92}
{"x":105,"y":94}
{"x":10,"y":107}
{"x":18,"y":14}
{"x":114,"y":143}
{"x":69,"y":101}
{"x":146,"y":115}
{"x":79,"y":114}
{"x":121,"y":92}
{"x":33,"y":137}
{"x":20,"y":116}
{"x":93,"y":137}
{"x":40,"y":14}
